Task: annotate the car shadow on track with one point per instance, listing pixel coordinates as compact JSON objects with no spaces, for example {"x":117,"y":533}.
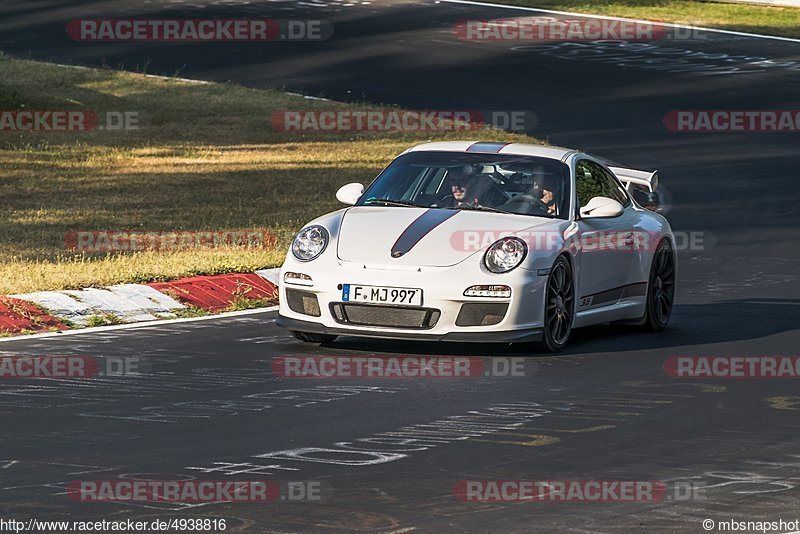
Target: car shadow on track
{"x":691,"y":325}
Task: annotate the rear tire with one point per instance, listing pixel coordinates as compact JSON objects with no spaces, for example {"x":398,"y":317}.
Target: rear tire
{"x":559,"y":307}
{"x":660,"y":289}
{"x":309,"y":337}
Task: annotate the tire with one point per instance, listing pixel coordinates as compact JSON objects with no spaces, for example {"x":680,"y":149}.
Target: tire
{"x":660,"y":289}
{"x":310,"y":337}
{"x":559,"y":306}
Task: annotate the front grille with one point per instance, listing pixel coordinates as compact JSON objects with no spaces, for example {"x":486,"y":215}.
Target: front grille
{"x":481,"y":314}
{"x":303,"y":302}
{"x":387,"y":316}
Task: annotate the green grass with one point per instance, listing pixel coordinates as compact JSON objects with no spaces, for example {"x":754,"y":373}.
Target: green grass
{"x":204,"y":158}
{"x":242,"y":302}
{"x":107,"y":319}
{"x":190,"y":311}
{"x":771,"y":20}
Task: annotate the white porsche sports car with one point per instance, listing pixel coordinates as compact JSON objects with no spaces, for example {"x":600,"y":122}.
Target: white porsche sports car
{"x":485,"y":242}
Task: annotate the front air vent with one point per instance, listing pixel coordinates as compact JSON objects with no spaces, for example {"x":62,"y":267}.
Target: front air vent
{"x":303,"y":302}
{"x":481,"y":314}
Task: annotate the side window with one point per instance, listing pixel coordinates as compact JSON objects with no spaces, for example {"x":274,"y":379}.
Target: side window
{"x":612,"y":189}
{"x":592,"y":180}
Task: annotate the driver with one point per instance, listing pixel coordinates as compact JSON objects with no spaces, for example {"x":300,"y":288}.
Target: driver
{"x":461,"y":188}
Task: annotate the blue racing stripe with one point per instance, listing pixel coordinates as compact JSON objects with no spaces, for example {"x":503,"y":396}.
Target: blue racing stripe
{"x":487,"y":148}
{"x":419,"y":229}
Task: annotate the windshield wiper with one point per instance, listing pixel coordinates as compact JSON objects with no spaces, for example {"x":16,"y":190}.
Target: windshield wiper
{"x":391,"y":202}
{"x":477,"y":208}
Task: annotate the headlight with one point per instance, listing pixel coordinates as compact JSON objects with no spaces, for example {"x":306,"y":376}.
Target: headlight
{"x":309,"y":243}
{"x":505,"y":254}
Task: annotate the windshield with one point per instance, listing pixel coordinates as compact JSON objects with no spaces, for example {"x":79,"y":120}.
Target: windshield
{"x":524,"y":185}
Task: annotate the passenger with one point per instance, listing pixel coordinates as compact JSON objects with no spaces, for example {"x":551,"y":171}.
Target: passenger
{"x":544,"y":189}
{"x":540,"y":199}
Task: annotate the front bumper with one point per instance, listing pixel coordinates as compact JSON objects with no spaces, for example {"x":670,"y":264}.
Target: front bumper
{"x":508,"y":336}
{"x":443,"y":295}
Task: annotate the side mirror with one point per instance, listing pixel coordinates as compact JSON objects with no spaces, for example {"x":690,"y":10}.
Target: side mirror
{"x":350,"y":193}
{"x":644,"y":196}
{"x":601,"y":207}
{"x":649,"y":201}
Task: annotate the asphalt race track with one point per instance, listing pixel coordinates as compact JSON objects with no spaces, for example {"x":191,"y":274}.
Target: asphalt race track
{"x":206,"y":404}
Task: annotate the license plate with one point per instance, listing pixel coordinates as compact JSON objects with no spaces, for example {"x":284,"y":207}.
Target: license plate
{"x":383,"y":295}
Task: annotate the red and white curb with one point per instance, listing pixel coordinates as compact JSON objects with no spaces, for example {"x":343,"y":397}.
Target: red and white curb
{"x":45,"y":311}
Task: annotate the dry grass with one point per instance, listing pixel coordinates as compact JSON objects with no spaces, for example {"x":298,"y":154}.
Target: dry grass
{"x":204,"y":158}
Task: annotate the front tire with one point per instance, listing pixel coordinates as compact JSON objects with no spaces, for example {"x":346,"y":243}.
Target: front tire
{"x":559,"y":306}
{"x":310,"y":337}
{"x":660,"y":289}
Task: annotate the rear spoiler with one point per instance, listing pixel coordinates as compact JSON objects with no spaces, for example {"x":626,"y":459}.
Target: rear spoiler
{"x":628,"y":177}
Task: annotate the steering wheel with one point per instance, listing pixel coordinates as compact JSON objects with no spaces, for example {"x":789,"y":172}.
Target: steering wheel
{"x":534,"y":205}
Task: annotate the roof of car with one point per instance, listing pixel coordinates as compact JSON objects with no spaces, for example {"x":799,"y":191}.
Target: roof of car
{"x":487,"y":147}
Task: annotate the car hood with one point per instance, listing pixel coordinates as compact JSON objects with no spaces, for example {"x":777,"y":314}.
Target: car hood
{"x":408,"y":237}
